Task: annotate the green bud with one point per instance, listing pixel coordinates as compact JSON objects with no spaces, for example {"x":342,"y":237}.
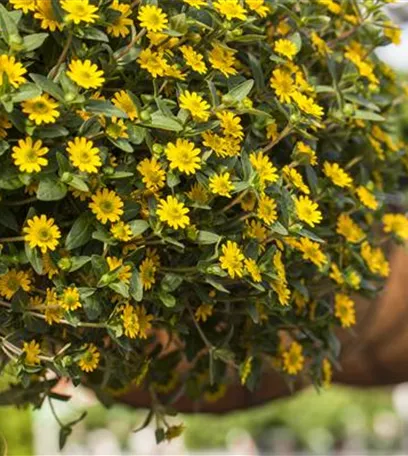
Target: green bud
{"x":65,"y":264}
{"x":66,"y":177}
{"x":145,"y":115}
{"x":69,"y":96}
{"x":108,"y":170}
{"x":157,"y":149}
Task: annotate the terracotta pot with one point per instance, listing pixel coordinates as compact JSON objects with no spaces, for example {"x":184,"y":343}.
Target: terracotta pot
{"x":376,"y":354}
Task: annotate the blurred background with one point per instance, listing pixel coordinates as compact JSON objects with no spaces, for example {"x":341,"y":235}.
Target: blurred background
{"x":340,"y":421}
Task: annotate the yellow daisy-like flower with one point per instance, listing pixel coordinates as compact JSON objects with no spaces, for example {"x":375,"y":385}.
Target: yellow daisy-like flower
{"x":85,"y":74}
{"x":184,"y":156}
{"x":375,"y":260}
{"x":121,"y":231}
{"x":320,"y":45}
{"x":123,"y":101}
{"x":231,"y":9}
{"x":173,"y":212}
{"x":70,"y":299}
{"x":120,"y":26}
{"x":13,"y":69}
{"x":12,"y":281}
{"x":253,"y":269}
{"x":293,"y":359}
{"x":264,"y":167}
{"x":53,"y":311}
{"x":24,"y":5}
{"x":106,"y":205}
{"x":45,"y":13}
{"x":41,"y":109}
{"x":232,"y":259}
{"x":130,"y":321}
{"x":90,"y":359}
{"x":267,"y":210}
{"x":203,"y":312}
{"x":221,"y":184}
{"x":231,"y":124}
{"x":194,"y":59}
{"x":312,"y":252}
{"x":79,"y":11}
{"x":195,"y":3}
{"x":258,"y":6}
{"x":124,"y":271}
{"x":152,"y":18}
{"x":153,"y":62}
{"x":196,"y":105}
{"x":283,"y":84}
{"x":367,"y":198}
{"x":294,"y":178}
{"x":144,"y":322}
{"x":5,"y":124}
{"x":303,"y":150}
{"x":307,"y":211}
{"x":117,"y":128}
{"x":42,"y":232}
{"x":307,"y":104}
{"x":255,"y":230}
{"x":84,"y":155}
{"x":28,"y":155}
{"x":147,"y":271}
{"x":349,"y":229}
{"x":397,"y":224}
{"x":198,"y":194}
{"x":344,"y":310}
{"x":337,"y":174}
{"x":32,"y":351}
{"x":153,"y":174}
{"x":286,"y":48}
{"x":222,"y":59}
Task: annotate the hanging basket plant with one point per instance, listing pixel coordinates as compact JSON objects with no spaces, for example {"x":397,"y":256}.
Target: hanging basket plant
{"x":191,"y":183}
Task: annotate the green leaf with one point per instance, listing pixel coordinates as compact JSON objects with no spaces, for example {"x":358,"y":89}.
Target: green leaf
{"x":92,"y":306}
{"x":4,"y":147}
{"x":122,"y":144}
{"x":207,"y":237}
{"x":92,"y":33}
{"x":34,"y":258}
{"x":106,"y":108}
{"x":51,"y":189}
{"x":34,"y":41}
{"x":8,"y":26}
{"x":78,"y":262}
{"x":162,"y":122}
{"x":138,"y":227}
{"x":120,"y":288}
{"x":171,"y":282}
{"x":241,"y":91}
{"x":277,"y":227}
{"x":48,"y":86}
{"x":136,"y":286}
{"x":80,"y":232}
{"x":26,"y":92}
{"x":367,"y":115}
{"x":167,"y":299}
{"x":77,"y":183}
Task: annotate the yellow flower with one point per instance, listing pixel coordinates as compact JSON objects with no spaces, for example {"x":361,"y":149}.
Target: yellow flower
{"x":195,"y":3}
{"x":375,"y":260}
{"x":286,"y":48}
{"x":173,"y":212}
{"x":124,"y":271}
{"x":231,"y":124}
{"x":106,"y":205}
{"x":307,"y":211}
{"x":130,"y":321}
{"x":253,"y":269}
{"x":194,"y":59}
{"x":337,"y":175}
{"x":79,"y":11}
{"x":344,"y":310}
{"x":120,"y":26}
{"x":267,"y":210}
{"x":147,"y":271}
{"x":232,"y":259}
{"x":45,"y":13}
{"x":183,"y":156}
{"x":42,"y":232}
{"x":353,"y":279}
{"x":41,"y":109}
{"x":28,"y":155}
{"x":123,"y":101}
{"x":12,"y":281}
{"x":312,"y":252}
{"x":304,"y":150}
{"x":70,"y":299}
{"x":153,"y":174}
{"x":397,"y":224}
{"x":13,"y":69}
{"x":327,"y":373}
{"x":320,"y":45}
{"x":121,"y":231}
{"x":5,"y":124}
{"x":32,"y":351}
{"x":222,"y":59}
{"x":90,"y":359}
{"x":258,"y":6}
{"x":264,"y":167}
{"x":85,"y":74}
{"x":49,"y":266}
{"x":84,"y":155}
{"x":153,"y":62}
{"x":293,"y":359}
{"x":196,"y":105}
{"x":295,"y":178}
{"x":117,"y":128}
{"x":203,"y":312}
{"x":349,"y":229}
{"x":331,"y":5}
{"x":336,"y":274}
{"x":307,"y":104}
{"x":220,"y":184}
{"x":256,"y":230}
{"x":53,"y":311}
{"x":144,"y":322}
{"x":279,"y":266}
{"x":393,"y":32}
{"x":24,"y":5}
{"x":283,"y":292}
{"x":231,"y":9}
{"x":152,"y":18}
{"x":367,"y":198}
{"x":198,"y":194}
{"x":283,"y":84}
{"x":248,"y":202}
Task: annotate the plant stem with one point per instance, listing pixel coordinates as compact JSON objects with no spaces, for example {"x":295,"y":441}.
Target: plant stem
{"x":237,"y":200}
{"x":32,"y":199}
{"x":282,"y":135}
{"x":207,"y":343}
{"x":12,"y":239}
{"x":130,"y":45}
{"x":63,"y":55}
